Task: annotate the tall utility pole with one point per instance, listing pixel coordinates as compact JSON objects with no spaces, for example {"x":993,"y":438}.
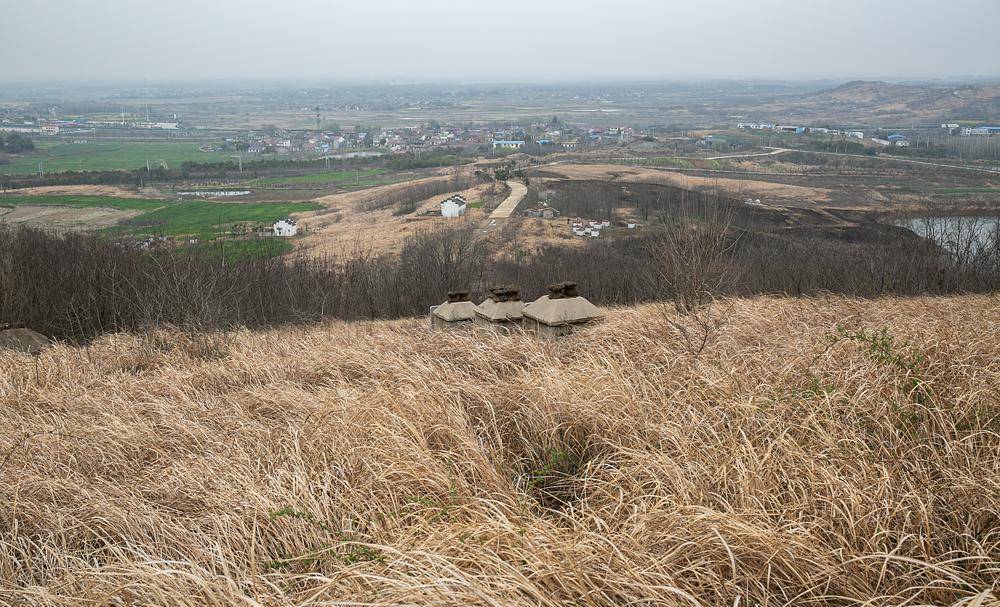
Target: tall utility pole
{"x":317,"y":118}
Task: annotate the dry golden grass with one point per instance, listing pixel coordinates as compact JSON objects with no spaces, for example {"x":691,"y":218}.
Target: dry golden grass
{"x":342,"y":228}
{"x":767,"y":190}
{"x":357,"y":464}
{"x":88,"y":190}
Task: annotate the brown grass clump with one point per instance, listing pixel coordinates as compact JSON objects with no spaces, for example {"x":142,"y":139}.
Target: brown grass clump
{"x":817,"y":451}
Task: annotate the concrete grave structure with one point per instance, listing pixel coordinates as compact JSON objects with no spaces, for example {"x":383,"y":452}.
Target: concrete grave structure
{"x":560,"y":312}
{"x":458,"y":311}
{"x":501,"y":309}
{"x":23,"y":340}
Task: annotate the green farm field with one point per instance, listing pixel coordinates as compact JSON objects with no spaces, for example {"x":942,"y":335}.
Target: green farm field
{"x":57,"y":156}
{"x":195,"y":218}
{"x":204,"y":219}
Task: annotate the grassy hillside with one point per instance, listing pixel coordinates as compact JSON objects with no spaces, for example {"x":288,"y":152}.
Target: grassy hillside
{"x":876,"y":103}
{"x":818,"y":451}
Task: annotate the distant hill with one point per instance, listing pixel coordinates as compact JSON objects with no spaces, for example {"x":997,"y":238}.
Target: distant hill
{"x":876,"y":101}
{"x":870,"y":91}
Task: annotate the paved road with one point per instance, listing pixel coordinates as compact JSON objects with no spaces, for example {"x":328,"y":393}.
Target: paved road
{"x":898,"y":159}
{"x":773,"y":152}
{"x":517,"y":193}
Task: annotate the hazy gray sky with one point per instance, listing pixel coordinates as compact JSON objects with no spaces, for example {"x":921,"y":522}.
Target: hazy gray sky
{"x":496,"y":40}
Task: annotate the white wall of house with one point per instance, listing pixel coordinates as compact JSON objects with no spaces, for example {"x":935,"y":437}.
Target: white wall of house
{"x":452,"y":208}
{"x":284,"y":227}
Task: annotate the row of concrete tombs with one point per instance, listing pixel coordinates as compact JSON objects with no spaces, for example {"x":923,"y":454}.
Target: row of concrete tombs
{"x":556,"y":314}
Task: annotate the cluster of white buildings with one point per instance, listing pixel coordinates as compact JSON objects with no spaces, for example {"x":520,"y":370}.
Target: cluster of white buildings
{"x":980,"y":131}
{"x":593,"y":230}
{"x":284,"y":143}
{"x":54,"y":127}
{"x":30,"y":128}
{"x":507,"y":144}
{"x":799,"y":130}
{"x":971,"y":131}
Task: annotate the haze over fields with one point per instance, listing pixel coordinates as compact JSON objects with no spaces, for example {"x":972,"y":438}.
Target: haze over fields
{"x":520,"y":40}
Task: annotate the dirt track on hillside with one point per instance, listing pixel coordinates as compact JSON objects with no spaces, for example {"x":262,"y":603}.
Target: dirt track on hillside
{"x":729,"y":185}
{"x":84,"y":190}
{"x":64,"y":218}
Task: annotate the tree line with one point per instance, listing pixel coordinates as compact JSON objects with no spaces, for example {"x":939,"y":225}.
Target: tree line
{"x":76,"y":286}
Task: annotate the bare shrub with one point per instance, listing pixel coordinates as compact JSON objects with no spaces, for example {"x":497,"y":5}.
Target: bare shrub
{"x":692,"y":263}
{"x":692,"y":252}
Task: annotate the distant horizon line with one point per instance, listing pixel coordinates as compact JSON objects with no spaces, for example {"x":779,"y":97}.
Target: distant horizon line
{"x":468,"y":81}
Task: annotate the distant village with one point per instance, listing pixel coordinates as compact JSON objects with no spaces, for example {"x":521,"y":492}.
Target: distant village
{"x":894,"y":139}
{"x":539,"y":137}
{"x":798,"y":130}
{"x":333,"y":140}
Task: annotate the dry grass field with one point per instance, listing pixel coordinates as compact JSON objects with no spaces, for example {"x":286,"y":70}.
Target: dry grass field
{"x":88,"y":190}
{"x":737,"y":187}
{"x":343,"y":228}
{"x":65,"y":218}
{"x":820,"y":451}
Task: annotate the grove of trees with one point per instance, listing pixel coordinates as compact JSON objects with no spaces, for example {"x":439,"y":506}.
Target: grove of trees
{"x":15,"y":143}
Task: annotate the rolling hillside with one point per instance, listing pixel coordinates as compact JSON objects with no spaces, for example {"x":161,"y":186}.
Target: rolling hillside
{"x":874,"y":102}
{"x":820,"y":451}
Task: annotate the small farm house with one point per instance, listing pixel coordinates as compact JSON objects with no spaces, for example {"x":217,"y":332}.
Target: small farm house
{"x":285,"y":227}
{"x":453,"y":207}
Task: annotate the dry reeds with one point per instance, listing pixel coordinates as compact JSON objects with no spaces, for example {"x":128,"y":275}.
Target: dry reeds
{"x":805,"y":456}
